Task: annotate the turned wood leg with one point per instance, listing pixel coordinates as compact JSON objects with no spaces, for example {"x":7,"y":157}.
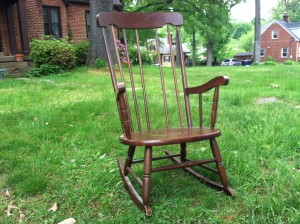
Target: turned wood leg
{"x":220,"y":167}
{"x":129,"y":158}
{"x":219,"y":163}
{"x":183,"y":152}
{"x":147,"y":175}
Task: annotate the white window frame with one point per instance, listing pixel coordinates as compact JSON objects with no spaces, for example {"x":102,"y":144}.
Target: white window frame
{"x":286,"y":53}
{"x":167,"y":58}
{"x":52,"y":27}
{"x":274,"y":34}
{"x":262,"y":52}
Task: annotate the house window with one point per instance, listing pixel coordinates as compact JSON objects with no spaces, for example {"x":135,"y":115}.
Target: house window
{"x":262,"y":52}
{"x":52,"y":25}
{"x":274,"y":34}
{"x":284,"y":52}
{"x":88,"y":23}
{"x":166,"y":58}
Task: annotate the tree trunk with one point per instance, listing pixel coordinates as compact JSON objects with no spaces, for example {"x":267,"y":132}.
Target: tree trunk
{"x":257,"y":37}
{"x":194,"y":48}
{"x":209,"y":54}
{"x":96,"y":48}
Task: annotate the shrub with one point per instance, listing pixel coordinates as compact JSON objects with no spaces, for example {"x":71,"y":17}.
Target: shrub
{"x":269,"y":63}
{"x":81,"y":52}
{"x":288,"y":62}
{"x":256,"y":64}
{"x":52,"y":51}
{"x":270,"y":58}
{"x":44,"y":70}
{"x":100,"y":63}
{"x":133,"y":55}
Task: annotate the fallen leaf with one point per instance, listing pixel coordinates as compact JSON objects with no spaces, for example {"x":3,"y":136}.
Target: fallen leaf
{"x":22,"y":216}
{"x":273,"y":85}
{"x":229,"y":218}
{"x":101,"y":157}
{"x":54,"y":207}
{"x":7,"y":193}
{"x":9,"y":207}
{"x":68,"y":221}
{"x":8,"y":212}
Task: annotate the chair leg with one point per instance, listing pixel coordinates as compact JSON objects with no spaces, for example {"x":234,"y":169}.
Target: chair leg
{"x":147,"y":176}
{"x":183,"y":152}
{"x":141,"y":202}
{"x":129,"y":158}
{"x":220,"y":167}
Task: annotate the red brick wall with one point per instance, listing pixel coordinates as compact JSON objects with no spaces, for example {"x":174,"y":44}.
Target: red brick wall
{"x":77,"y":21}
{"x":273,"y":47}
{"x":34,"y":13}
{"x":4,"y":30}
{"x":72,"y":16}
{"x":17,"y":30}
{"x":4,"y":35}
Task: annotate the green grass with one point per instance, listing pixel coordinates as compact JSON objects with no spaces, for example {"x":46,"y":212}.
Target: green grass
{"x":59,"y":143}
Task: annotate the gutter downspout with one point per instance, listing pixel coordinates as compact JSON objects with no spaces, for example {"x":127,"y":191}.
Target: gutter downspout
{"x":297,"y":51}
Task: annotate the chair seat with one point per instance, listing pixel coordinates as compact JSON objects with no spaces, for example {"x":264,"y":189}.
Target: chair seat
{"x":169,"y":136}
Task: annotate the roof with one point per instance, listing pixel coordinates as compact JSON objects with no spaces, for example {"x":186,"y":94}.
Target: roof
{"x":293,"y":28}
{"x":240,"y":54}
{"x":165,"y":49}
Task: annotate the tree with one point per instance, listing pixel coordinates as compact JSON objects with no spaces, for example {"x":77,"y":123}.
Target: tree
{"x":257,"y":28}
{"x":246,"y":41}
{"x":292,"y":7}
{"x":96,"y":48}
{"x":213,"y":23}
{"x":209,"y":18}
{"x":147,"y":5}
{"x":239,"y":29}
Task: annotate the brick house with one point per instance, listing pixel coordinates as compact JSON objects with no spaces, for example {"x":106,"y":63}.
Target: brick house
{"x":22,"y":20}
{"x":280,"y":39}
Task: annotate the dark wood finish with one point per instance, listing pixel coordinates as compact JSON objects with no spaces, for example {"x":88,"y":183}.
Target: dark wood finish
{"x":11,"y":29}
{"x":229,"y":191}
{"x":23,"y":27}
{"x":182,"y":165}
{"x":157,"y":158}
{"x":169,"y":136}
{"x":136,"y":121}
{"x":138,"y":20}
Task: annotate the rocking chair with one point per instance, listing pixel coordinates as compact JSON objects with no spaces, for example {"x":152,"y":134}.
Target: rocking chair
{"x":144,"y":96}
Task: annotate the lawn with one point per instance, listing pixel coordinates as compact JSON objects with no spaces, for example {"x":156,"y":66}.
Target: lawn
{"x":59,"y":144}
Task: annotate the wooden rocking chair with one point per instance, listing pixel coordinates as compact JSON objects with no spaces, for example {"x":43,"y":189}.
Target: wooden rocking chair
{"x":145,"y":87}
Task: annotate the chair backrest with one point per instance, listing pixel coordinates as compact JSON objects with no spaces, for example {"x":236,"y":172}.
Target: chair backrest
{"x":128,"y":29}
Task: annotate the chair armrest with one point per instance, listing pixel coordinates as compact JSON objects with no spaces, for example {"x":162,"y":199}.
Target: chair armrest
{"x":218,"y":81}
{"x":120,"y":89}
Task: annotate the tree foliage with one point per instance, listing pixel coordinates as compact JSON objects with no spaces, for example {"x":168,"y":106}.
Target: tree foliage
{"x":239,"y":29}
{"x":246,"y":41}
{"x":208,"y":18}
{"x":292,"y":7}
